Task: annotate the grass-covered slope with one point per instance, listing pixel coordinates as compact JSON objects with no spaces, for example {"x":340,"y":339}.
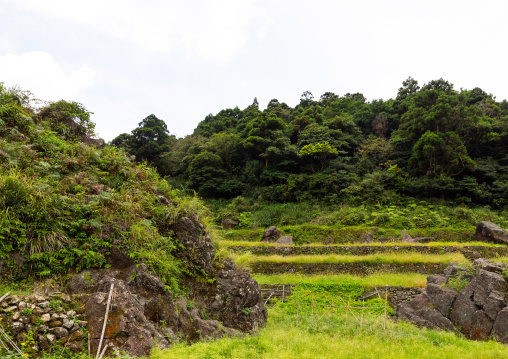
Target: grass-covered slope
{"x":64,"y":203}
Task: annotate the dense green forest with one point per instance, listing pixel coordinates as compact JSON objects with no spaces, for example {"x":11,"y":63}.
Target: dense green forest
{"x":428,"y":142}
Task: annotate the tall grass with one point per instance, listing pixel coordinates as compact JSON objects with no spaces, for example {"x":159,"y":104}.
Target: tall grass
{"x":392,"y":258}
{"x":332,"y":338}
{"x":371,"y":281}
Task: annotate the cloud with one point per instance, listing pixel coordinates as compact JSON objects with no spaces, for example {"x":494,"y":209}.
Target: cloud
{"x":215,"y":31}
{"x":38,"y":72}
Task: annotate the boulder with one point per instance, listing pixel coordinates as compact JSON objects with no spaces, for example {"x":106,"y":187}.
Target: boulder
{"x":494,"y":303}
{"x":485,"y":284}
{"x":238,"y":302}
{"x":368,"y":238}
{"x":406,"y":237}
{"x":500,"y":327}
{"x":228,"y":223}
{"x":489,"y":266}
{"x":441,"y":297}
{"x":464,"y":308}
{"x":198,"y":249}
{"x":480,"y":326}
{"x":419,"y":312}
{"x":285,"y":240}
{"x":271,"y":234}
{"x":490,"y":232}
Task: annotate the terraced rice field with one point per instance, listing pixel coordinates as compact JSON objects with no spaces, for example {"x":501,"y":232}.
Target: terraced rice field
{"x":306,"y":285}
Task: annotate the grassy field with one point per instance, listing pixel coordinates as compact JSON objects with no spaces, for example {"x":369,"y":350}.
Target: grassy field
{"x":399,"y":258}
{"x":315,"y":233}
{"x":371,"y":281}
{"x":331,"y":338}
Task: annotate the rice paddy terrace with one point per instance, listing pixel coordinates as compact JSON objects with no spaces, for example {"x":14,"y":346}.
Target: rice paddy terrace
{"x":390,"y":262}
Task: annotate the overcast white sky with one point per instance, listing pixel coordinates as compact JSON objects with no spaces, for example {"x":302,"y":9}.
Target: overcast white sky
{"x":182,"y":60}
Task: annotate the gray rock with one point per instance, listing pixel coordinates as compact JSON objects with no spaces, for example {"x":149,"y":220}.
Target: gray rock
{"x":494,"y":303}
{"x":271,"y":234}
{"x":16,"y":327}
{"x":368,"y":238}
{"x":489,"y":266}
{"x":481,"y":326}
{"x":500,"y":328}
{"x":436,"y":279}
{"x":487,"y":282}
{"x":51,"y":339}
{"x":441,"y":297}
{"x":42,"y":329}
{"x":77,"y":335}
{"x":228,"y":223}
{"x":43,"y":342}
{"x":490,"y":232}
{"x":46,"y":317}
{"x":59,"y":332}
{"x":464,"y":308}
{"x":67,"y":324}
{"x":285,"y":240}
{"x":419,"y":312}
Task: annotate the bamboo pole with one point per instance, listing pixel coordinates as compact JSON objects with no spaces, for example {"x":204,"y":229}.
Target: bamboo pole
{"x":105,"y":320}
{"x":4,"y":296}
{"x":104,"y":350}
{"x":9,"y":340}
{"x":5,"y":346}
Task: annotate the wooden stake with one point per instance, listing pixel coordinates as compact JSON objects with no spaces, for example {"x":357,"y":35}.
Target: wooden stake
{"x":386,"y":300}
{"x":297,"y":314}
{"x":363,"y":306}
{"x":105,"y":320}
{"x":89,"y":344}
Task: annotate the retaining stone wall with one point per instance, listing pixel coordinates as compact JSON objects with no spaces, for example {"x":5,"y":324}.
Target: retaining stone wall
{"x":37,"y":323}
{"x":484,"y":251}
{"x":357,"y":268}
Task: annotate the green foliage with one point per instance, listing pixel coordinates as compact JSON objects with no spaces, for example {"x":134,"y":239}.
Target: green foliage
{"x":64,"y":202}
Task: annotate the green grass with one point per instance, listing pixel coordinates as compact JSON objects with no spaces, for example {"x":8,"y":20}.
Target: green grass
{"x":330,"y":338}
{"x":317,"y":233}
{"x":373,"y":258}
{"x":371,"y":281}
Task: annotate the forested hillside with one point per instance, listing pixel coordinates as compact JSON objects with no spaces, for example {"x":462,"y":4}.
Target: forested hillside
{"x":431,"y":141}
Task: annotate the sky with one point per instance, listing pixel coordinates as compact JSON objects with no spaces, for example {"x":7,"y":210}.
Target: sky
{"x":182,"y":60}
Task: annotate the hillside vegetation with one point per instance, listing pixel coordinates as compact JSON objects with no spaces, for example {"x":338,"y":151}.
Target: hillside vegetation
{"x":429,"y":142}
{"x":65,"y":198}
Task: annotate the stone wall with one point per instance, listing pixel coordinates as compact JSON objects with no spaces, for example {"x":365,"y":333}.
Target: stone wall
{"x":356,"y":268}
{"x":38,"y":323}
{"x":483,"y":251}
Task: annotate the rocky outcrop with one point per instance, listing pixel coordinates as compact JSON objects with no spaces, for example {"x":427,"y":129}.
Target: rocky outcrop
{"x":271,"y":234}
{"x":473,"y":302}
{"x":490,"y":232}
{"x":143,"y":311}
